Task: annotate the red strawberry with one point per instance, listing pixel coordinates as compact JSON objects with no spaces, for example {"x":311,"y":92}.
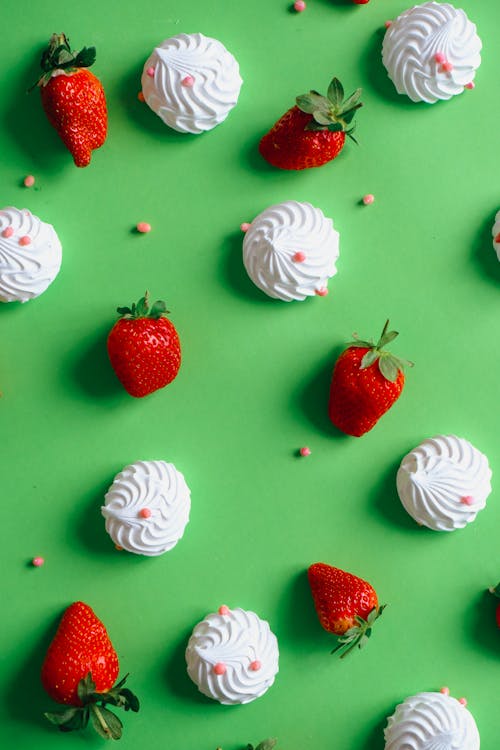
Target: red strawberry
{"x":73,"y":98}
{"x":80,"y":669}
{"x":346,"y":605}
{"x":496,"y":592}
{"x":313,"y":132}
{"x":144,"y":348}
{"x":361,"y":2}
{"x":366,"y":382}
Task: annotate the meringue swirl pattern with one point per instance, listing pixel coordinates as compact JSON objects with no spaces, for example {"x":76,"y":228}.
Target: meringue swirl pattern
{"x":496,"y":235}
{"x":232,"y":656}
{"x":431,"y":721}
{"x":30,"y":255}
{"x":192,"y":82}
{"x":431,"y":52}
{"x":147,"y":507}
{"x":290,"y":251}
{"x":444,"y":483}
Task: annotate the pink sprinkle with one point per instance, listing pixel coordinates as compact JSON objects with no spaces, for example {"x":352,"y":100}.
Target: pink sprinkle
{"x":255,"y":665}
{"x":445,"y":690}
{"x":37,"y":562}
{"x":140,"y":96}
{"x":223,"y":610}
{"x":29,"y":181}
{"x":245,"y":226}
{"x":368,"y":199}
{"x":387,"y":24}
{"x":25,"y":240}
{"x":447,"y":67}
{"x":8,"y":232}
{"x":497,"y":238}
{"x":305,"y":451}
{"x":143,"y":227}
{"x":299,"y":257}
{"x":188,"y":81}
{"x":468,"y":500}
{"x":299,"y":6}
{"x":120,"y":549}
{"x":145,"y":513}
{"x":321,"y":292}
{"x":463,"y":701}
{"x":440,"y":57}
{"x":220,"y":668}
{"x":471,"y":85}
{"x":150,"y":72}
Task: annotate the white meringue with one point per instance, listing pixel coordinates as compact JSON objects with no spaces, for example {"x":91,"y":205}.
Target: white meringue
{"x":30,"y":255}
{"x":496,"y":235}
{"x":147,"y":507}
{"x":232,"y":656}
{"x":290,"y":251}
{"x":431,"y":721}
{"x":412,"y":42}
{"x":444,"y":482}
{"x":192,"y":82}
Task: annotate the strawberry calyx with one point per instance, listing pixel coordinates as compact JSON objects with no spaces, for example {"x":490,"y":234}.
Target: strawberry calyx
{"x":263,"y":745}
{"x":142,"y":309}
{"x":93,"y":709}
{"x":59,"y":56}
{"x":357,"y":636}
{"x":331,"y":112}
{"x":389,"y":364}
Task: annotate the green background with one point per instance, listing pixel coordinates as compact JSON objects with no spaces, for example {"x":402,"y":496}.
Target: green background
{"x":254,"y":381}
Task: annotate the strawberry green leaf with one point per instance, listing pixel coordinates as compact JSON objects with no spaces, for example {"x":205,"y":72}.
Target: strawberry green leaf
{"x":388,"y":368}
{"x":352,"y":101}
{"x":267,"y":744}
{"x":64,"y":717}
{"x":142,"y":307}
{"x":387,"y":337}
{"x":321,"y":117}
{"x":335,"y":127}
{"x":105,"y":723}
{"x":85,"y":58}
{"x":158,"y":309}
{"x":336,"y":92}
{"x":124,"y":310}
{"x":370,"y":357}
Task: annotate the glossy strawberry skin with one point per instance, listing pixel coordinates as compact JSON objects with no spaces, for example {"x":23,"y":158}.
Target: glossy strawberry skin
{"x":80,"y":645}
{"x":358,"y":398}
{"x":145,"y":354}
{"x":75,"y":105}
{"x":289,"y":146}
{"x":339,"y":597}
{"x":497,"y":615}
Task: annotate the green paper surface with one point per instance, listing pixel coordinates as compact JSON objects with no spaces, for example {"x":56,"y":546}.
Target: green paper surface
{"x":253,"y":385}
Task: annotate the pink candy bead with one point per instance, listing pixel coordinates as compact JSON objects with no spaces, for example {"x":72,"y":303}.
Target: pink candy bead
{"x":8,"y":232}
{"x":299,"y":257}
{"x":299,"y":6}
{"x":440,"y":57}
{"x":220,"y":668}
{"x":387,"y":24}
{"x":321,"y":292}
{"x":120,"y":549}
{"x":150,"y":72}
{"x":145,"y":513}
{"x":255,"y":665}
{"x":25,"y":240}
{"x":223,"y":610}
{"x":143,"y":227}
{"x":471,"y":85}
{"x":467,"y":500}
{"x":368,"y":199}
{"x":140,"y":96}
{"x":29,"y":181}
{"x":37,"y":562}
{"x":447,"y":67}
{"x":245,"y":226}
{"x":305,"y":451}
{"x":188,"y":81}
{"x":445,"y":690}
{"x":463,"y":701}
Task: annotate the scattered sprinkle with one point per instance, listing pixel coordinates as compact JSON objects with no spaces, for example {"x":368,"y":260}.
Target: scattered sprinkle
{"x":140,"y":96}
{"x":219,"y":668}
{"x":255,"y":665}
{"x":245,"y":226}
{"x":145,"y":513}
{"x":299,"y":257}
{"x":8,"y":232}
{"x":497,"y":238}
{"x":447,"y":67}
{"x":188,"y":81}
{"x":368,"y":199}
{"x":29,"y":181}
{"x":321,"y":292}
{"x":223,"y":610}
{"x":387,"y":24}
{"x":25,"y":240}
{"x":445,"y":690}
{"x":120,"y":549}
{"x":299,"y":6}
{"x":467,"y":500}
{"x":150,"y":72}
{"x":143,"y":227}
{"x":440,"y":57}
{"x":305,"y":451}
{"x":471,"y":85}
{"x":37,"y":562}
{"x":463,"y":701}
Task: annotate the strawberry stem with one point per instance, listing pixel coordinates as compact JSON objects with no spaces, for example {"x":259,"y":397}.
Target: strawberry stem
{"x":141,"y":309}
{"x":59,"y":56}
{"x":357,"y":636}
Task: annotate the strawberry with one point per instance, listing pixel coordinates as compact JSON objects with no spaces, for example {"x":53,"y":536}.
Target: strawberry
{"x":313,"y":132}
{"x":366,"y":381}
{"x":144,"y":348}
{"x":496,"y":592}
{"x":361,"y":2}
{"x":346,"y":605}
{"x":79,"y":671}
{"x":73,"y":98}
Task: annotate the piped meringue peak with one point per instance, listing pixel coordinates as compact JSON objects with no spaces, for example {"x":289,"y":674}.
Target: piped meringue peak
{"x":147,"y":508}
{"x":496,"y":235}
{"x":431,"y":720}
{"x":192,"y":82}
{"x":30,"y":255}
{"x":431,"y":52}
{"x":232,"y":656}
{"x":290,"y":251}
{"x":444,"y":482}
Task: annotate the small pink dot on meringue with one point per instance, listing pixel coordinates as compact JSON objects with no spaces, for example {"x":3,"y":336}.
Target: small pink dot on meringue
{"x":220,"y":668}
{"x":245,"y":226}
{"x":120,"y":549}
{"x":321,"y":292}
{"x":368,"y":199}
{"x":305,"y":451}
{"x":7,"y":232}
{"x":299,"y":6}
{"x":299,"y":257}
{"x":150,"y":72}
{"x":25,"y":240}
{"x":37,"y":562}
{"x":463,"y":701}
{"x":29,"y":181}
{"x":143,"y":227}
{"x":223,"y":610}
{"x":188,"y":81}
{"x":255,"y":665}
{"x":145,"y":513}
{"x":468,"y":500}
{"x":140,"y":96}
{"x":387,"y":24}
{"x":447,"y":67}
{"x":440,"y":57}
{"x":471,"y":85}
{"x":445,"y":690}
{"x":497,"y":238}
